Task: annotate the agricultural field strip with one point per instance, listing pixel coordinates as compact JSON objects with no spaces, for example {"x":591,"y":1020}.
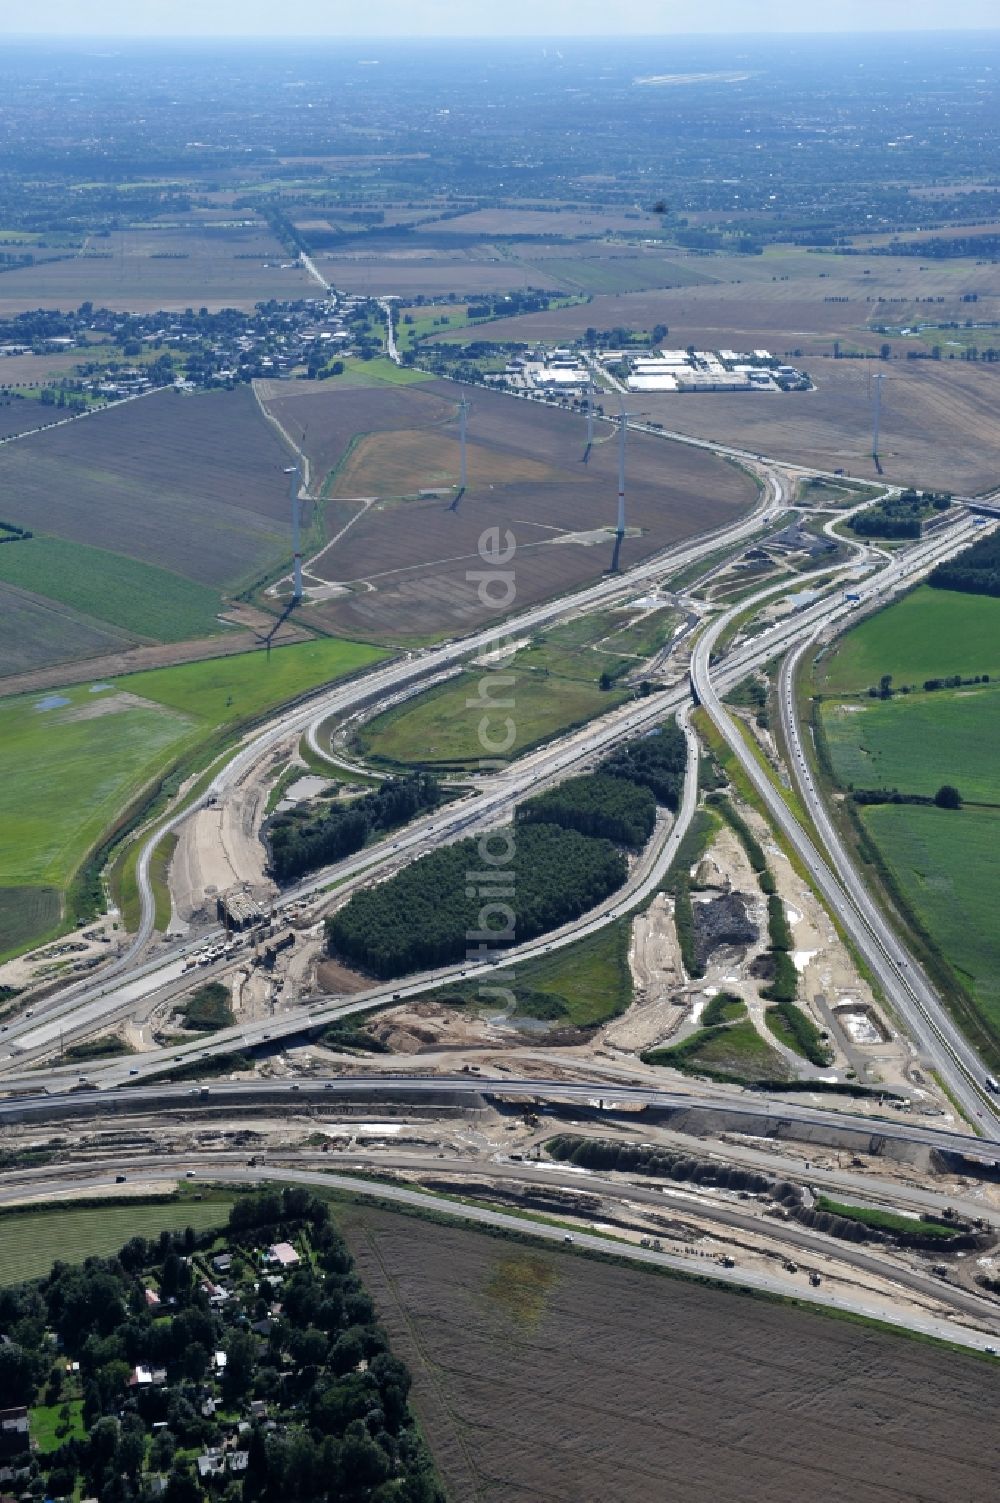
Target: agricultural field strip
{"x":226,"y":1173}
{"x":76,"y":417}
{"x":902,"y":980}
{"x":529,"y":776}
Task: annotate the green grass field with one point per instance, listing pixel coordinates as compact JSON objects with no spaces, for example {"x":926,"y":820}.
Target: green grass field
{"x":31,"y":1241}
{"x":943,"y":862}
{"x":556,"y":685}
{"x":919,"y":741}
{"x":47,"y":1432}
{"x":222,"y":691}
{"x":67,"y":772}
{"x":737,"y":1051}
{"x":377,"y":372}
{"x":591,"y":977}
{"x":927,"y":634}
{"x":584,"y":984}
{"x":427,"y":320}
{"x":946,"y":864}
{"x":27,"y":915}
{"x":151,"y":603}
{"x":64,"y":779}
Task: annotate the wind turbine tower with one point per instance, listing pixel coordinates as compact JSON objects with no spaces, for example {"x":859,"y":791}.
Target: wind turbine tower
{"x":623,"y":418}
{"x":463,"y":411}
{"x":590,"y":414}
{"x":876,"y":415}
{"x":293,"y":489}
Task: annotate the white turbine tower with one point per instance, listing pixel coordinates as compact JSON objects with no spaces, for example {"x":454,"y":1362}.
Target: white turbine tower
{"x":292,"y":472}
{"x":463,"y":411}
{"x":623,"y":418}
{"x":876,"y":414}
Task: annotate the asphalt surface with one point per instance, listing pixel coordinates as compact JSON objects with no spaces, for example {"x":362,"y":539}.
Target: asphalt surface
{"x":762,"y":1115}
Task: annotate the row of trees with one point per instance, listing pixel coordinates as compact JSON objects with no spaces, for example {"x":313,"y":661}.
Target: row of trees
{"x":433,"y":912}
{"x":657,"y":762}
{"x":600,"y":805}
{"x":300,"y":842}
{"x":975,"y":572}
{"x":900,"y":516}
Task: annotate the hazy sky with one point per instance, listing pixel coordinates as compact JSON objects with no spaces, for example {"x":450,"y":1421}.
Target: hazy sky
{"x":386,"y":18}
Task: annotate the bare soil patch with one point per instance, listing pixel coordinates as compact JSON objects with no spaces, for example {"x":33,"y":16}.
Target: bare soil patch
{"x":542,"y":1374}
{"x":323,"y":422}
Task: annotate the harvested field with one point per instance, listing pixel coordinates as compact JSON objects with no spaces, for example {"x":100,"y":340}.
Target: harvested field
{"x":786,"y":300}
{"x":324,"y":421}
{"x":384,"y":464}
{"x":412,"y":269}
{"x":37,"y":370}
{"x":542,"y":1374}
{"x":406,"y":563}
{"x":190,"y":484}
{"x":20,"y":414}
{"x":148,"y":269}
{"x":938,"y":422}
{"x":38,"y":632}
{"x":579,"y":223}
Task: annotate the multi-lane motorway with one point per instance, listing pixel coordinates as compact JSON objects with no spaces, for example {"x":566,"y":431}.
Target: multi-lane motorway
{"x":902,"y":981}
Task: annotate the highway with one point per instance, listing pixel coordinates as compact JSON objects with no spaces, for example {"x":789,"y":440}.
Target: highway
{"x":95,"y":1179}
{"x":845,"y":894}
{"x":379,"y":684}
{"x":79,"y":1010}
{"x":762,"y":1115}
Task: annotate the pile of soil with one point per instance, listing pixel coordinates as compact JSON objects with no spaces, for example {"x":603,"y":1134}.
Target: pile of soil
{"x":722,"y":921}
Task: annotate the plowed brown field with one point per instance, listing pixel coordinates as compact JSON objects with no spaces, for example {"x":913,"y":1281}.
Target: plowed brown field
{"x":193,"y":484}
{"x":542,"y":1375}
{"x":406,"y":562}
{"x":938,"y":422}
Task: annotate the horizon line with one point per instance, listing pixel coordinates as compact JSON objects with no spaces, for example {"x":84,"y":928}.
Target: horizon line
{"x":473,"y":36}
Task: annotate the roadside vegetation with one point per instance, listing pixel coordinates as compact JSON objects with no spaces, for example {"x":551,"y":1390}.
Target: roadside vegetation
{"x":733,"y":1052}
{"x":580,"y":985}
{"x":303,"y":839}
{"x":425,"y":915}
{"x":560,"y":679}
{"x":208,"y":1009}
